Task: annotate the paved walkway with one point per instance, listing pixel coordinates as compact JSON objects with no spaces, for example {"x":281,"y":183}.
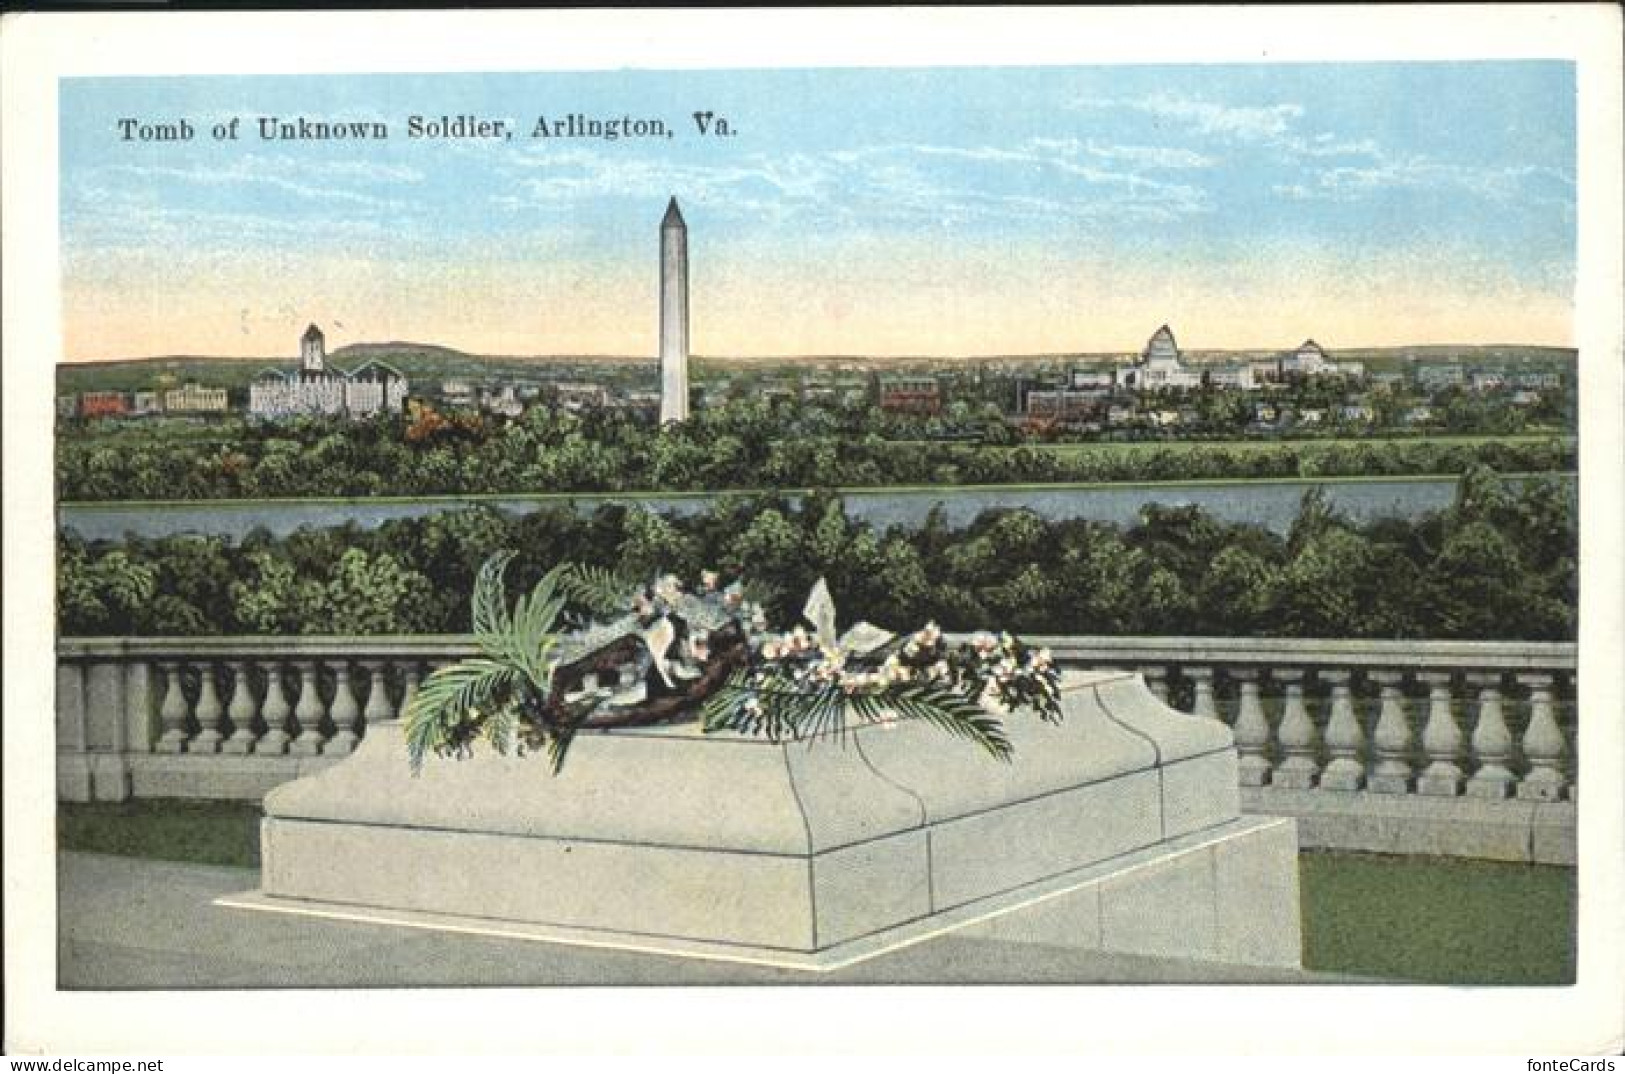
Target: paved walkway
{"x":129,"y":923}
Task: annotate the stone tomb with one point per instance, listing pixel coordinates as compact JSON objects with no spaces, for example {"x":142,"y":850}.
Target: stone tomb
{"x":1116,"y":829}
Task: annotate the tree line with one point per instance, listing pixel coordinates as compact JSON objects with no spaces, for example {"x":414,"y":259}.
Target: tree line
{"x":1501,"y":562}
{"x":753,"y":444}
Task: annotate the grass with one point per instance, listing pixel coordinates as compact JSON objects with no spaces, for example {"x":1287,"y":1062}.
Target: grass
{"x":1438,"y":920}
{"x":1430,"y":920}
{"x":169,"y":829}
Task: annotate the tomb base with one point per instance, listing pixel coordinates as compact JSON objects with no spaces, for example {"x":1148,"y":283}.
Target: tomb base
{"x":1116,"y":829}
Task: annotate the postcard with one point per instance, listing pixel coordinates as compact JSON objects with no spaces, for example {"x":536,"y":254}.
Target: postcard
{"x":520,"y":507}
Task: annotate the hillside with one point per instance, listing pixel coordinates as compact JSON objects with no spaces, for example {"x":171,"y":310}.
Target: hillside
{"x":431,"y":361}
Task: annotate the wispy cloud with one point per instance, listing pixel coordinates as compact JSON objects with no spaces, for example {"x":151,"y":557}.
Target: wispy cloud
{"x":1247,"y":122}
{"x":253,"y":170}
{"x":1502,"y":186}
{"x":896,"y":184}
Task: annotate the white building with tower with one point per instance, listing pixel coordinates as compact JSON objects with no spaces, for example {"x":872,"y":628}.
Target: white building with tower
{"x":673,"y":316}
{"x":1158,"y":366}
{"x":313,"y":388}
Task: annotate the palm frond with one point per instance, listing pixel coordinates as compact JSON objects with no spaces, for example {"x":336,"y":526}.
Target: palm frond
{"x":954,"y":713}
{"x":600,"y":590}
{"x":449,"y":697}
{"x":490,"y":602}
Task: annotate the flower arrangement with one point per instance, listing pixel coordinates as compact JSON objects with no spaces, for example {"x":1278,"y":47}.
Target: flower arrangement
{"x":589,"y":649}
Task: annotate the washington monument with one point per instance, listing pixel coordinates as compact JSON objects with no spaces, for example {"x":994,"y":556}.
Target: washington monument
{"x":673,"y":316}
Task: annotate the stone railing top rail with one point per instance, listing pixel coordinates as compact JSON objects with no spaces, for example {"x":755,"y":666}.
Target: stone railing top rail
{"x":1068,"y":649}
{"x":1341,"y":652}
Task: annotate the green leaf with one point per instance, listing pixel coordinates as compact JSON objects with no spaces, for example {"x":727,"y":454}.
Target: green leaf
{"x":490,"y":600}
{"x":450,"y":698}
{"x":599,"y":590}
{"x":954,"y":713}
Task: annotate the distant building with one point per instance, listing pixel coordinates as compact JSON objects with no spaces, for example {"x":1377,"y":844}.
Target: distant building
{"x":1310,"y":360}
{"x":1538,"y":380}
{"x":910,"y":395}
{"x":143,"y":404}
{"x":1062,"y":405}
{"x":1487,"y":380}
{"x":1264,"y":374}
{"x":1158,"y":366}
{"x":104,"y":405}
{"x":1435,"y":377}
{"x":194,"y":398}
{"x":457,"y":392}
{"x":503,"y":400}
{"x":1092,"y":380}
{"x":1386,"y":382}
{"x":580,"y":395}
{"x":67,"y":406}
{"x":1232,"y":375}
{"x":315,"y":389}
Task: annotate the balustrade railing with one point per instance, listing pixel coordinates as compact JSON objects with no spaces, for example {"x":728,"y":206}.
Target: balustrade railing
{"x":1484,"y":720}
{"x":1370,"y":721}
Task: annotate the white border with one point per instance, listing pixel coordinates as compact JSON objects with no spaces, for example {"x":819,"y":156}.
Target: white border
{"x":37,"y":49}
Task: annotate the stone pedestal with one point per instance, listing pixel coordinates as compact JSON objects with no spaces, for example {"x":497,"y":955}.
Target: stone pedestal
{"x":1117,"y":828}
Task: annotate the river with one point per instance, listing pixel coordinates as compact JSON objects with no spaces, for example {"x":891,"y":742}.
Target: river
{"x":1270,"y":504}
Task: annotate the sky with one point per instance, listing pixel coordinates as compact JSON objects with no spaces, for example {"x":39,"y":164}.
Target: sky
{"x":970,"y":211}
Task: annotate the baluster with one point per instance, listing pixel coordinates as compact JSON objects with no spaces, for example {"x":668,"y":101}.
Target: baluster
{"x":209,"y":713}
{"x":1252,"y":730}
{"x":275,"y":712}
{"x":378,"y":709}
{"x":172,"y":714}
{"x":1543,"y":744}
{"x":411,"y":675}
{"x":1202,"y":703}
{"x":241,"y":710}
{"x":345,"y":712}
{"x":308,"y":712}
{"x":1392,"y":739}
{"x":1156,"y":679}
{"x":1344,"y":736}
{"x":1492,"y":742}
{"x":1441,"y":739}
{"x":1298,"y":768}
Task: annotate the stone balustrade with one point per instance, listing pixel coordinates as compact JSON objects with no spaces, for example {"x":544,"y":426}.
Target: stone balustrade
{"x":1413,"y":746}
{"x":1405,"y":746}
{"x":224,"y":717}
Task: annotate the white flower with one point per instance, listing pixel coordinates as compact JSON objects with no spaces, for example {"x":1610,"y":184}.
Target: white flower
{"x":928,"y":635}
{"x":772,"y":650}
{"x":799,"y":641}
{"x":668,"y":588}
{"x":984,"y":643}
{"x":708,"y":580}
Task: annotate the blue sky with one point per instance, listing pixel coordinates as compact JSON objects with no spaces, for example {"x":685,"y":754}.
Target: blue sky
{"x":954,"y":211}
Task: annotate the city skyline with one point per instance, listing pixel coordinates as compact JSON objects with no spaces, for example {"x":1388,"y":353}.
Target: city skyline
{"x":863,"y":212}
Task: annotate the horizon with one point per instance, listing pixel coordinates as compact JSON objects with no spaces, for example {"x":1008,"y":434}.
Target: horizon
{"x":654,"y":359}
{"x":856,"y":212}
